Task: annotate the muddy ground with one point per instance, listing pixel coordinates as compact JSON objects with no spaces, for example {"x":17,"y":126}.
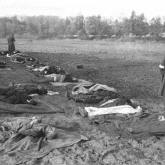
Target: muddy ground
{"x":138,"y":80}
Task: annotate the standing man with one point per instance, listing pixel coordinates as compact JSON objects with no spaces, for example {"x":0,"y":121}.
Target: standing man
{"x":11,"y":45}
{"x":162,"y":71}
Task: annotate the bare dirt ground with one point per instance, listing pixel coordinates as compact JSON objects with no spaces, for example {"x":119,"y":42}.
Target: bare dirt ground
{"x":132,"y":68}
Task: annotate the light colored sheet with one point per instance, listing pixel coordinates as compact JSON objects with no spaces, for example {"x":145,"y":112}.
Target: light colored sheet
{"x":122,"y":109}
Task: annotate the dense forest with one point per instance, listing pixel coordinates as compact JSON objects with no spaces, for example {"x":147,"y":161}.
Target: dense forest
{"x":82,"y":27}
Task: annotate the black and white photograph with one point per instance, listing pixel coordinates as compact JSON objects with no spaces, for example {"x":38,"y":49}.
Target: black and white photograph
{"x":82,"y":82}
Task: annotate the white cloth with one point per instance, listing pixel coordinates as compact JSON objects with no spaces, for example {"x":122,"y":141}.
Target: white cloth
{"x":161,"y":66}
{"x":108,"y":102}
{"x":51,"y":93}
{"x":122,"y":109}
{"x":40,"y":69}
{"x":56,"y":77}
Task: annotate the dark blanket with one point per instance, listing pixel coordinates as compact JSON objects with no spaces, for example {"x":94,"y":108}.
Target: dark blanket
{"x":30,"y":140}
{"x":53,"y":69}
{"x":4,"y":53}
{"x":2,"y":64}
{"x":18,"y":59}
{"x":90,"y":93}
{"x":93,"y":97}
{"x":20,"y":94}
{"x":148,"y":126}
{"x":45,"y":104}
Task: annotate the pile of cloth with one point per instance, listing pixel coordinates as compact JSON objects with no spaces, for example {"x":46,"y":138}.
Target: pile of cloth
{"x":20,"y":93}
{"x":47,"y":70}
{"x":6,"y":53}
{"x":18,"y":59}
{"x":24,"y":139}
{"x":91,"y":93}
{"x":22,"y":58}
{"x":105,"y":100}
{"x":15,"y":52}
{"x":138,"y":127}
{"x":52,"y":74}
{"x":61,"y":78}
{"x":30,"y":59}
{"x":152,"y":125}
{"x":53,"y":70}
{"x":3,"y":53}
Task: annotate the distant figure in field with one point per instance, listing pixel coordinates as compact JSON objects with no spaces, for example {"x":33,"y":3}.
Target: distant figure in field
{"x":11,"y":45}
{"x":162,"y":71}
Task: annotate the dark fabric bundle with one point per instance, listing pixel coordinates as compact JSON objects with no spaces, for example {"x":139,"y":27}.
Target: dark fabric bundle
{"x":18,"y":59}
{"x":4,"y":53}
{"x":20,"y":95}
{"x":69,"y":78}
{"x":30,"y":59}
{"x":2,"y":64}
{"x":30,"y":139}
{"x":33,"y":89}
{"x":17,"y":97}
{"x":149,"y":126}
{"x":94,"y":96}
{"x":54,"y":69}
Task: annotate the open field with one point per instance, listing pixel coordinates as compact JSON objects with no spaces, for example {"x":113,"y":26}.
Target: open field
{"x":139,"y":50}
{"x":130,"y":67}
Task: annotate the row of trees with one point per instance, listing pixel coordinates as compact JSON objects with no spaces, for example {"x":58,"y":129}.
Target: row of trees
{"x":80,"y":26}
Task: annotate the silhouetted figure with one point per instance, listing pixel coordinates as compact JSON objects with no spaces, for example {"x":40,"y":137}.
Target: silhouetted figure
{"x":11,"y":45}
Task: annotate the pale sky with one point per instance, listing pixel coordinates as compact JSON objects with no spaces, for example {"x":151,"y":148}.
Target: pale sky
{"x":63,"y":8}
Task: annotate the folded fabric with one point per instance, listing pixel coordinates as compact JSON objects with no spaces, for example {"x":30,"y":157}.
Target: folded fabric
{"x":87,"y":88}
{"x":122,"y":109}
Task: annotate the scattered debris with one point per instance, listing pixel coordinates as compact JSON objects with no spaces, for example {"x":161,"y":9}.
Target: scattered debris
{"x":27,"y":139}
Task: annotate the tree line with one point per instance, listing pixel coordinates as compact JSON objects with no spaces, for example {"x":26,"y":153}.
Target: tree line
{"x":82,"y":27}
